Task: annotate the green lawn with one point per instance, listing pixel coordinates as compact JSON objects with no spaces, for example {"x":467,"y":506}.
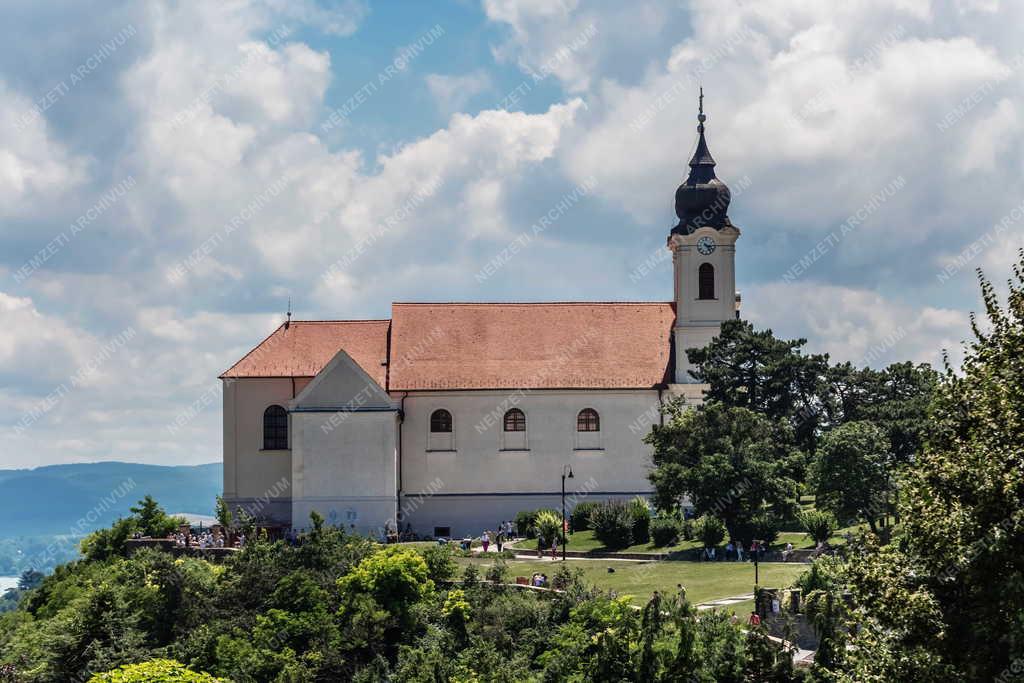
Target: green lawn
{"x":703,"y":581}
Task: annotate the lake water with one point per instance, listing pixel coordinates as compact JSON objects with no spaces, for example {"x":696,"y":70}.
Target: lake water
{"x":7,"y":582}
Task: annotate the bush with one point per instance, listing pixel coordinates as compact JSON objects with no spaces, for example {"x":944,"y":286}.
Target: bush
{"x":155,"y":671}
{"x":579,"y":518}
{"x":548,"y":527}
{"x":709,"y":530}
{"x":641,"y":513}
{"x":526,"y":523}
{"x":761,"y":527}
{"x":440,"y":565}
{"x":687,"y":529}
{"x":665,"y":531}
{"x":612,"y":523}
{"x":818,"y":524}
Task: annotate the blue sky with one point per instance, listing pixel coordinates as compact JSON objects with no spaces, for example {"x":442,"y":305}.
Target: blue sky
{"x":171,"y":173}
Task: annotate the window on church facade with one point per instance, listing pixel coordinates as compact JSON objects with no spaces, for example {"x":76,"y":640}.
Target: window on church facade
{"x":515,"y":421}
{"x":275,"y":429}
{"x":588,"y":421}
{"x":706,"y":281}
{"x":440,"y":422}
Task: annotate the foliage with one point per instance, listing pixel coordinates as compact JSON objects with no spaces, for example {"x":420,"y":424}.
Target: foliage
{"x":665,"y":530}
{"x":440,"y":562}
{"x":612,"y":522}
{"x":334,"y":607}
{"x":152,"y":521}
{"x":579,"y":518}
{"x":818,"y":524}
{"x":148,"y":519}
{"x":641,"y":513}
{"x":731,"y":462}
{"x":396,"y":578}
{"x":710,"y":531}
{"x":946,"y":603}
{"x":853,"y":473}
{"x":223,"y":513}
{"x":547,"y":527}
{"x":155,"y":671}
{"x":526,"y":523}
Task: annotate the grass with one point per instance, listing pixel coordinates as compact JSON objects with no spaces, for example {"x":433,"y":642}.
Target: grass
{"x":704,"y":581}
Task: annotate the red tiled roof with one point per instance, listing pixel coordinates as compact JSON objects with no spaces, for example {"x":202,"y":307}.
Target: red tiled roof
{"x":484,"y":346}
{"x":305,"y":347}
{"x":530,"y":345}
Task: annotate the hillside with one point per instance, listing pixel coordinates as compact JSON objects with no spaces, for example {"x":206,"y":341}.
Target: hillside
{"x":62,"y":499}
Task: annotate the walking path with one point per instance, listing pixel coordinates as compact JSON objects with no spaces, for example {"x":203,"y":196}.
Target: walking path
{"x":725,"y":602}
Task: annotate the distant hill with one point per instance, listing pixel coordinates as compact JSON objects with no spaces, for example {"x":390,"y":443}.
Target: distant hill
{"x":53,"y":499}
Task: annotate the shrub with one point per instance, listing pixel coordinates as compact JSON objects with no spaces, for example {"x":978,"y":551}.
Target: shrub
{"x":641,"y":514}
{"x":612,"y":523}
{"x":579,"y":518}
{"x":818,"y":524}
{"x":498,"y":572}
{"x":155,"y":671}
{"x":440,"y":565}
{"x":761,"y":527}
{"x":548,"y":527}
{"x":665,"y":531}
{"x":525,"y":523}
{"x":709,"y":530}
{"x":687,"y":527}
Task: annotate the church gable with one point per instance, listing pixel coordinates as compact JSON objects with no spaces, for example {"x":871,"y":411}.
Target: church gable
{"x":341,"y":385}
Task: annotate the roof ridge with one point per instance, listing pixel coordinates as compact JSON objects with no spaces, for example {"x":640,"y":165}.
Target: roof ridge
{"x":530,"y":303}
{"x":346,"y":320}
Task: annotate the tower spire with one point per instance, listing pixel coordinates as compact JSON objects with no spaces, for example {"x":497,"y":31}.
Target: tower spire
{"x":702,"y":165}
{"x":288,"y":320}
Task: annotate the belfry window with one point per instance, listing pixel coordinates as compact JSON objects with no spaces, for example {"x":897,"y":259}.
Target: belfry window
{"x":588,"y":421}
{"x":440,"y":422}
{"x":706,"y":281}
{"x":275,"y":429}
{"x":515,"y":421}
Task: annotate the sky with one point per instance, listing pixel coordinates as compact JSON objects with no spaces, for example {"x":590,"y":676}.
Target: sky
{"x":171,"y":173}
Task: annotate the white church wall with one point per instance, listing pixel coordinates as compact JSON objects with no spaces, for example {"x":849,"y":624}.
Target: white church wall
{"x":435,"y":483}
{"x":345,"y":468}
{"x":258,"y":480}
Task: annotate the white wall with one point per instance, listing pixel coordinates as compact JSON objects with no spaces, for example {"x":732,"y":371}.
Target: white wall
{"x":345,"y":468}
{"x":258,"y":480}
{"x":505,"y":481}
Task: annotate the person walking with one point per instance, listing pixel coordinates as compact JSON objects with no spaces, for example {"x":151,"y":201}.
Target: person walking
{"x":485,"y":540}
{"x":499,"y":538}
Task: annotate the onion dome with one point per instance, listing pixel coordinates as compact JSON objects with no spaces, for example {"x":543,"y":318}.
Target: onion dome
{"x":702,"y":200}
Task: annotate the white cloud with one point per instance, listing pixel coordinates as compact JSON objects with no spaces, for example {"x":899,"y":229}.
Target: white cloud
{"x":452,"y":92}
{"x":33,"y":166}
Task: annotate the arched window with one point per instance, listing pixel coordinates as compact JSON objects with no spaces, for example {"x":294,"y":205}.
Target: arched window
{"x":588,"y":421}
{"x":515,"y":421}
{"x":275,"y":429}
{"x":440,"y":421}
{"x":706,"y":281}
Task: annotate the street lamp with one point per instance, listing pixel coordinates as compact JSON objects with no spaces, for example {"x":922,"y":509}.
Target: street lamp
{"x":566,"y":473}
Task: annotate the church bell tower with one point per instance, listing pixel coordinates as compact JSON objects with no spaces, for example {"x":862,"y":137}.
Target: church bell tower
{"x":703,"y":247}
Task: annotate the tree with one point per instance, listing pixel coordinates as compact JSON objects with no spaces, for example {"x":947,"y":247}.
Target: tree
{"x":223,"y":513}
{"x":30,"y":579}
{"x":710,"y":531}
{"x":151,"y":519}
{"x":948,"y":602}
{"x":733,"y":463}
{"x":755,"y":370}
{"x":155,"y":671}
{"x":818,"y":524}
{"x":852,"y":473}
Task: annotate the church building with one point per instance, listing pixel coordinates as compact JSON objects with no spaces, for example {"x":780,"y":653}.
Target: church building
{"x":450,"y":417}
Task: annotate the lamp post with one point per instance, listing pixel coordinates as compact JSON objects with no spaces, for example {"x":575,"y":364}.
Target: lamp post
{"x":566,"y":473}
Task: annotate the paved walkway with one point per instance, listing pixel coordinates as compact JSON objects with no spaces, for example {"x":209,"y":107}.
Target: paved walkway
{"x":725,"y":602}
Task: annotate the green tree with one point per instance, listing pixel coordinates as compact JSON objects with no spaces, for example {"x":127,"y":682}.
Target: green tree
{"x":155,"y":671}
{"x":733,"y":463}
{"x":152,"y":520}
{"x":819,"y":524}
{"x":755,"y":370}
{"x":853,"y":473}
{"x":947,"y":603}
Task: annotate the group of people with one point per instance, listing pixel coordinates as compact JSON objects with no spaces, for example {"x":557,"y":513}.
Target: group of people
{"x":205,"y":539}
{"x":735,"y":551}
{"x":505,"y":532}
{"x":539,"y":580}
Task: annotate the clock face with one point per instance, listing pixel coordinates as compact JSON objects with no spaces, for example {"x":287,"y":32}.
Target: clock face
{"x":705,"y":245}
